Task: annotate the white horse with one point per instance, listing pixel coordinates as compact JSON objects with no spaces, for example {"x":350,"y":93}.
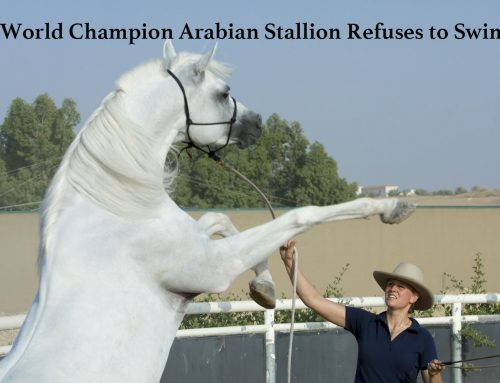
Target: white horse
{"x":119,"y":261}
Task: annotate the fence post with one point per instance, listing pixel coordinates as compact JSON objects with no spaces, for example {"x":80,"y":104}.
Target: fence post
{"x":456,"y":342}
{"x":270,"y":347}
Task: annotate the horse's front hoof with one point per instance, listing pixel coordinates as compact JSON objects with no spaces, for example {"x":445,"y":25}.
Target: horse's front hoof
{"x":263,"y":293}
{"x":402,"y":211}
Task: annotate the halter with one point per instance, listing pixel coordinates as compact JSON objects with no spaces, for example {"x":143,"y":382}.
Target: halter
{"x":190,"y":143}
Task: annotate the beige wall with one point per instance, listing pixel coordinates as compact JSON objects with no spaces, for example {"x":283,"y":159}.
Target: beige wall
{"x":18,"y":261}
{"x":439,"y":239}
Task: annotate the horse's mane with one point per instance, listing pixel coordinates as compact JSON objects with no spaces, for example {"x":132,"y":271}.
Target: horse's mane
{"x":113,"y":164}
{"x":111,"y":161}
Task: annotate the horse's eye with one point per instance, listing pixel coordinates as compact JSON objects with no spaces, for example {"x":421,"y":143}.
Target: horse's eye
{"x":225,"y":94}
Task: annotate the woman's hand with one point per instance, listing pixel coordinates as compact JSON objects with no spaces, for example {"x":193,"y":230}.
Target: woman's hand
{"x":434,"y":367}
{"x":286,"y":252}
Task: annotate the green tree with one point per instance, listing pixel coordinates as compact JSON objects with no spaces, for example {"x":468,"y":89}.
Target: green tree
{"x":33,"y":138}
{"x":5,"y":181}
{"x":421,"y":192}
{"x":283,"y":164}
{"x":442,"y":192}
{"x":318,"y":181}
{"x":65,"y":122}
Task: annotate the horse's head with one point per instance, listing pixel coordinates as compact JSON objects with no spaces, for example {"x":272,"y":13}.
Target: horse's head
{"x":213,"y":117}
{"x":160,"y":96}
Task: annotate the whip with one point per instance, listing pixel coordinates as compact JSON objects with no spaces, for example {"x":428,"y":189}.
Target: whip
{"x":452,"y":362}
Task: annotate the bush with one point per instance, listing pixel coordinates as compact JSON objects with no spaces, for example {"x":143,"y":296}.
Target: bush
{"x":477,"y":286}
{"x":221,"y":319}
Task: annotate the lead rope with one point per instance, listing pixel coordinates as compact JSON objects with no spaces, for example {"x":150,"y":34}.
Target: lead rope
{"x":213,"y":155}
{"x":295,"y":259}
{"x":292,"y":319}
{"x":230,"y":168}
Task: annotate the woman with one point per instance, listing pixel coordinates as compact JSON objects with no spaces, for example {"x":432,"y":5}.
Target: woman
{"x":392,"y":347}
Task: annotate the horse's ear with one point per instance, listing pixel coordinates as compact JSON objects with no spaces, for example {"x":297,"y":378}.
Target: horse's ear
{"x":202,"y":64}
{"x":168,"y":53}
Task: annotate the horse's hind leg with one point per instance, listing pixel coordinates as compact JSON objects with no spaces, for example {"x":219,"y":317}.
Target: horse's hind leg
{"x":262,"y":287}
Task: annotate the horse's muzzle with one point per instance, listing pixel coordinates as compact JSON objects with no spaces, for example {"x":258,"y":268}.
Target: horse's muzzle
{"x":247,"y":129}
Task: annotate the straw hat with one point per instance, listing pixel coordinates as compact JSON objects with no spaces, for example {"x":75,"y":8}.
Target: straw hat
{"x":411,"y":275}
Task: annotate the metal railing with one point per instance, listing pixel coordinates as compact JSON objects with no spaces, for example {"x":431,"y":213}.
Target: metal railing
{"x":269,"y":327}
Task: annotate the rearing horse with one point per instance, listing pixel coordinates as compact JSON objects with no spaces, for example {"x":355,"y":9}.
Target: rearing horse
{"x":119,"y":260}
